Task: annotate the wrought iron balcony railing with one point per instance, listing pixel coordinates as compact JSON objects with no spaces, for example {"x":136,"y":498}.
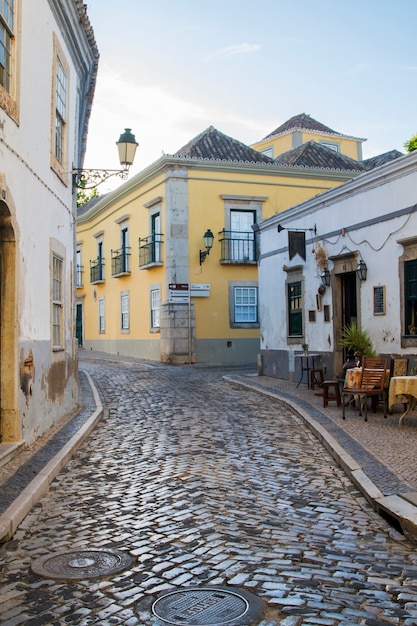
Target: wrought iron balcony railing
{"x":150,"y":250}
{"x":120,"y":262}
{"x":237,"y":247}
{"x":97,"y":271}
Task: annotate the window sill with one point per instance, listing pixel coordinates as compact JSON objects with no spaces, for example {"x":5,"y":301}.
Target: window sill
{"x":237,"y":262}
{"x":149,"y":265}
{"x":409,"y":341}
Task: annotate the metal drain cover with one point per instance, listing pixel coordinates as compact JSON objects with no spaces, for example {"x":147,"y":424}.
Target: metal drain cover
{"x":80,"y":564}
{"x":203,"y":606}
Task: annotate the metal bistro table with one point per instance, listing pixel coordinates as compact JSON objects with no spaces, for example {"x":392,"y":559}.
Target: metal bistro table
{"x":307,"y":364}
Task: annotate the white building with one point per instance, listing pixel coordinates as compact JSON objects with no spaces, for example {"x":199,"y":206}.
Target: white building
{"x":48,"y":67}
{"x":373,"y":219}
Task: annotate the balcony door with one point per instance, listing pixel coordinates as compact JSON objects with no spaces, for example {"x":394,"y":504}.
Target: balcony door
{"x":242,"y":235}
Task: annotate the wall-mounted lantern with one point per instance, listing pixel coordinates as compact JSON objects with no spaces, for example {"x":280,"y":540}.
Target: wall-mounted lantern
{"x":325,"y":276}
{"x":362,"y":270}
{"x":208,"y":239}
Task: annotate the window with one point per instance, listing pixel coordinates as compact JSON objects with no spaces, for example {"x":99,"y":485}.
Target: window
{"x":101,"y":326}
{"x":242,"y":236}
{"x":246,"y":304}
{"x":97,"y":265}
{"x":120,"y":262}
{"x":155,"y":308}
{"x":6,"y":39}
{"x":295,"y":312}
{"x":60,"y":110}
{"x":331,"y":145}
{"x":410,"y":291}
{"x":156,"y":237}
{"x":124,"y":307}
{"x":78,"y":269}
{"x":238,"y":242}
{"x":57,"y":302}
{"x":268,"y":151}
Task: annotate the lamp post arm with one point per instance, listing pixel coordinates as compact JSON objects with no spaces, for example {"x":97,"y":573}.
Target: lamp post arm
{"x":89,"y":179}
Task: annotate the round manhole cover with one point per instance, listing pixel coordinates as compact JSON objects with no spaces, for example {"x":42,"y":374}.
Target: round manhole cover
{"x":80,"y":564}
{"x":204,"y":606}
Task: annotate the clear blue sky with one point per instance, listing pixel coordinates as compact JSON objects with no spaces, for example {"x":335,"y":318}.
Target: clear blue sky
{"x":168,"y":70}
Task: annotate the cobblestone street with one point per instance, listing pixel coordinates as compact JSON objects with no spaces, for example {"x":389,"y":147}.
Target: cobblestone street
{"x":205,"y":483}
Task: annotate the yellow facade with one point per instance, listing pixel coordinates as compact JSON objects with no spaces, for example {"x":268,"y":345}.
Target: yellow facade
{"x":283,"y":142}
{"x":187,"y":196}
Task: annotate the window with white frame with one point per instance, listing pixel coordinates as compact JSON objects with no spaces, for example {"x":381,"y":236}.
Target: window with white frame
{"x":59,"y":113}
{"x":242,"y":238}
{"x":268,"y":151}
{"x":78,"y":269}
{"x":155,"y":308}
{"x":6,"y":42}
{"x":246,"y":304}
{"x":156,"y":237}
{"x":124,"y":310}
{"x":331,"y":145}
{"x":125,"y":249}
{"x":101,"y":325}
{"x":60,"y":109}
{"x":238,"y":241}
{"x":57,"y":302}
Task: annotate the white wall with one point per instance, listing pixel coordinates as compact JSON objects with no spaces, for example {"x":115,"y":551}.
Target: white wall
{"x":41,"y":206}
{"x":359,"y":216}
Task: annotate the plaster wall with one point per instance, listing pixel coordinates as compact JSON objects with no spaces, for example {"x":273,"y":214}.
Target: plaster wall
{"x":44,"y":381}
{"x":366,"y":218}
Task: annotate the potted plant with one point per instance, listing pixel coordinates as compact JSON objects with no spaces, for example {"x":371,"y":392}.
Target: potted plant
{"x":357,"y":341}
{"x":305,"y":348}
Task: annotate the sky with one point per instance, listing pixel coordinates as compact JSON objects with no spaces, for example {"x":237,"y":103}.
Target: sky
{"x":169,"y":70}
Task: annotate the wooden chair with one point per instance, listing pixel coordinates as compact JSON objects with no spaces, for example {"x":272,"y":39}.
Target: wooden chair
{"x":399,"y":367}
{"x":372,"y":385}
{"x":331,"y":392}
{"x":316,"y":378}
{"x":378,"y":362}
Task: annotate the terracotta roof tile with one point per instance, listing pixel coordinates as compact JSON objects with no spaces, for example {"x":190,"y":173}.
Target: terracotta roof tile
{"x":381,"y":159}
{"x":212,"y":144}
{"x":313,"y":154}
{"x":305,"y":122}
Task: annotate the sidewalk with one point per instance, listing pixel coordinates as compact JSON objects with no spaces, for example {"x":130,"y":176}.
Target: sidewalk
{"x":379,"y":455}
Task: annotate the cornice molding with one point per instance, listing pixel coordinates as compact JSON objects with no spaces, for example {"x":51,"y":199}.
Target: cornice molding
{"x":167,"y":162}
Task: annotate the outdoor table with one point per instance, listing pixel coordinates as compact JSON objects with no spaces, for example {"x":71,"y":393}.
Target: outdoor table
{"x":306,"y":365}
{"x":403,"y":389}
{"x":353,"y":378}
{"x":353,"y":381}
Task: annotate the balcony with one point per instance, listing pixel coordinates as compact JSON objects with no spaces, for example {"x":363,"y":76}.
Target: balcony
{"x":150,"y":250}
{"x":120,"y":262}
{"x":238,"y":247}
{"x":97,"y":271}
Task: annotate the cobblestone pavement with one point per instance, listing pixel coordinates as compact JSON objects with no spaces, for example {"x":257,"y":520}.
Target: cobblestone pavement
{"x":203,"y":483}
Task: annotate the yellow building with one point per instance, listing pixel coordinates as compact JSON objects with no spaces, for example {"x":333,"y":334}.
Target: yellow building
{"x":301,"y":129}
{"x":147,"y":286}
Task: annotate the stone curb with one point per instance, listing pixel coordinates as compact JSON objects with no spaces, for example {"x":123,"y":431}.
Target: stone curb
{"x":17,"y":511}
{"x":399,"y":512}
